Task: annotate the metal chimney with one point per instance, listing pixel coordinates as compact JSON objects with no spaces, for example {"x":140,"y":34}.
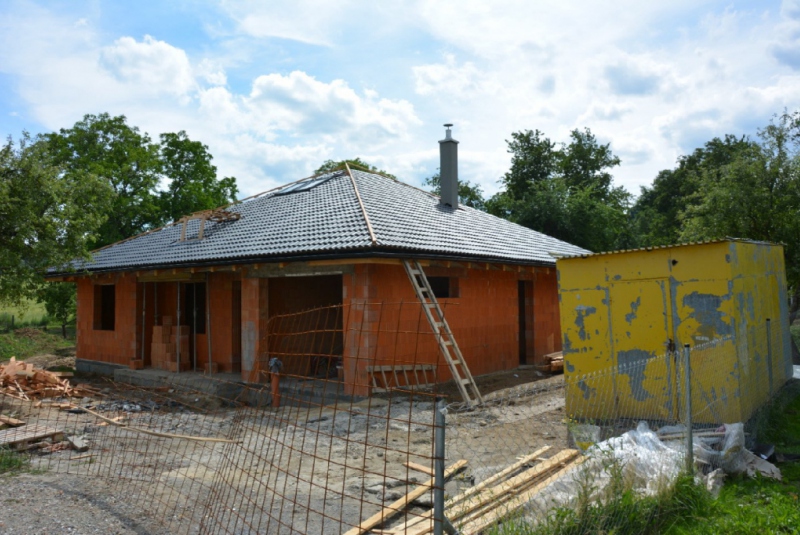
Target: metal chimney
{"x":448,"y":169}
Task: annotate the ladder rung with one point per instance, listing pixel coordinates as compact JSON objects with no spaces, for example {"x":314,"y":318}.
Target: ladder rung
{"x":465,"y":381}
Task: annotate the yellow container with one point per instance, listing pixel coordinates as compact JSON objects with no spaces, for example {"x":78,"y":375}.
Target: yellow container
{"x":626,"y":316}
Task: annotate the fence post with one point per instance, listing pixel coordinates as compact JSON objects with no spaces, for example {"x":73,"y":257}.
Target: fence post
{"x":687,"y":379}
{"x":438,"y":468}
{"x":440,"y":522}
{"x":769,"y":354}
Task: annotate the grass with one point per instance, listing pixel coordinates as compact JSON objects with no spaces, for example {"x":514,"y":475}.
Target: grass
{"x":28,"y":342}
{"x":744,"y":505}
{"x":795,"y":330}
{"x":29,"y":313}
{"x":12,"y":462}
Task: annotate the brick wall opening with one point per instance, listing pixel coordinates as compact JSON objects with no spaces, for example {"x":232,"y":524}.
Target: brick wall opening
{"x":308,"y":343}
{"x":444,"y":287}
{"x":104,"y":307}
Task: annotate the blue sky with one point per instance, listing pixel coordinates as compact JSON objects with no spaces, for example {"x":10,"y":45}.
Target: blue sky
{"x":275,"y":88}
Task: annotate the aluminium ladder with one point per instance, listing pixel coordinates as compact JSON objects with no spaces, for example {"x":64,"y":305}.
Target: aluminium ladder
{"x":444,"y":336}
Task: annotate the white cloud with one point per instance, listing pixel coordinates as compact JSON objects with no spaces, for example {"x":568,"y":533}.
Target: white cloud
{"x":654,"y":79}
{"x":150,"y":65}
{"x":447,"y":79}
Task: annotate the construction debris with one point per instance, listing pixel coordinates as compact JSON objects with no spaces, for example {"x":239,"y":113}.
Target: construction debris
{"x":555,"y":361}
{"x":497,"y":497}
{"x":25,"y":381}
{"x":22,"y":437}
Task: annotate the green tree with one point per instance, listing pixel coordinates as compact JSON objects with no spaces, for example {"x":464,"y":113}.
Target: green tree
{"x":756,"y":195}
{"x":565,"y":190}
{"x":108,"y":148}
{"x":193,"y":183}
{"x":356,"y":163}
{"x":658,"y":213}
{"x":59,"y":300}
{"x":136,"y":168}
{"x":469,"y":194}
{"x":48,"y":216}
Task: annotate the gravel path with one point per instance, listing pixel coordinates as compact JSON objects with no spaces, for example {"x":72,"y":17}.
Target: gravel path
{"x":45,"y":504}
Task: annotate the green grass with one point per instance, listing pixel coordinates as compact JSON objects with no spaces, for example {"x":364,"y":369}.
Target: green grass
{"x":37,"y":343}
{"x":29,"y":313}
{"x":12,"y":462}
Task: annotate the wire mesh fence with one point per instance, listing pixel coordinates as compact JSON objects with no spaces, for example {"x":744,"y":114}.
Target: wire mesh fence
{"x":320,"y":456}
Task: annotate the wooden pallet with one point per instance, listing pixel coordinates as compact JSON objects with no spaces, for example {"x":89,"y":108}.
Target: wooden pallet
{"x":408,"y":376}
{"x":22,"y":436}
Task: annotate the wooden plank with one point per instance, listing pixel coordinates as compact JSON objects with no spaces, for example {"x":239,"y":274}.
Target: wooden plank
{"x":400,"y":504}
{"x":419,"y":468}
{"x":473,"y":490}
{"x":11,"y":422}
{"x":497,"y":497}
{"x":27,"y":433}
{"x":496,"y":514}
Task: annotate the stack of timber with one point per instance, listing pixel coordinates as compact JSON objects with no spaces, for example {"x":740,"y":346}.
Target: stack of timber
{"x":21,"y":380}
{"x":165,"y":346}
{"x":499,"y":496}
{"x":555,"y":361}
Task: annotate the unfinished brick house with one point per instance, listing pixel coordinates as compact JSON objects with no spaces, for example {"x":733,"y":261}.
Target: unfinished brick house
{"x":335,"y":240}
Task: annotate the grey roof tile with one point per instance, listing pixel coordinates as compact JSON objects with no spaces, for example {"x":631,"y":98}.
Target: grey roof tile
{"x":328,"y":219}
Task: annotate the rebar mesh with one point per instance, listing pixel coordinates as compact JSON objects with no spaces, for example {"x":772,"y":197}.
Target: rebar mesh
{"x":197,"y":458}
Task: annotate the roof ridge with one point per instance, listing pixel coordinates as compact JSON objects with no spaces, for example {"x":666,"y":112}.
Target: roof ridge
{"x":372,"y":237}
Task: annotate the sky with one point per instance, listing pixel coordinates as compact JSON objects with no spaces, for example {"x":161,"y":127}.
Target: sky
{"x":276,"y":88}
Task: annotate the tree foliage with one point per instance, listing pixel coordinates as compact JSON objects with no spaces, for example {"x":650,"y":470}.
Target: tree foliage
{"x":126,"y":159}
{"x":659,"y":211}
{"x":755,"y":195}
{"x":193,"y":183}
{"x":137,"y":169}
{"x":356,"y":163}
{"x":469,"y":194}
{"x":48,"y":215}
{"x":60,"y":302}
{"x":564,"y":190}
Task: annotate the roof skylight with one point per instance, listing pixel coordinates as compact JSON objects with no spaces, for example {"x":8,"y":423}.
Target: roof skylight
{"x":304,"y":185}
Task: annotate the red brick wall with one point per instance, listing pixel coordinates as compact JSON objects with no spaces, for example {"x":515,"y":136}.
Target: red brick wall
{"x":117,"y":346}
{"x":484,"y":319}
{"x":255,"y":312}
{"x":547,"y":326}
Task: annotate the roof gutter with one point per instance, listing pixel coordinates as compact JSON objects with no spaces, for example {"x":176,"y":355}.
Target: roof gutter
{"x":399,"y":254}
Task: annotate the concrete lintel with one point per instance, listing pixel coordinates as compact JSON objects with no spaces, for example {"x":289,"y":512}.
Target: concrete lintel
{"x":297,"y":269}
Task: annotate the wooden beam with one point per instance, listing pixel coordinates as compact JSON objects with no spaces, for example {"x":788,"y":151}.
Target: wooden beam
{"x":400,"y":504}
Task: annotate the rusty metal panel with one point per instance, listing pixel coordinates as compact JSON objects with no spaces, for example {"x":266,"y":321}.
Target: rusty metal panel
{"x":585,"y":328}
{"x":641,"y":330}
{"x":620,"y":309}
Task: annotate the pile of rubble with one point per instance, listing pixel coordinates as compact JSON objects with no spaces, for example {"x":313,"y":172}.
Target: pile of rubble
{"x":21,"y":380}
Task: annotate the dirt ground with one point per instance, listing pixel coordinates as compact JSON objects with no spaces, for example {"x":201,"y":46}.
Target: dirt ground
{"x":289,"y":470}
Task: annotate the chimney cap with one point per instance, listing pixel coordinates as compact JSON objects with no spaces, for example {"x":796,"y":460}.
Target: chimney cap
{"x":448,"y":135}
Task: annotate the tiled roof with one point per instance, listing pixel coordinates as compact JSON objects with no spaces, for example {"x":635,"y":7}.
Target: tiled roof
{"x":327,"y":220}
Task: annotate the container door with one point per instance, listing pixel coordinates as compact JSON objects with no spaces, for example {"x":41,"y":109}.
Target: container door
{"x":642,"y":337}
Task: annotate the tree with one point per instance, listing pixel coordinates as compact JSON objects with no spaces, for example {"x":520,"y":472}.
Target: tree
{"x":108,"y":148}
{"x":565,"y":191}
{"x":329,"y":166}
{"x":60,"y":302}
{"x":658,"y":213}
{"x":48,"y":216}
{"x":193,"y":183}
{"x":136,"y":169}
{"x":469,"y":194}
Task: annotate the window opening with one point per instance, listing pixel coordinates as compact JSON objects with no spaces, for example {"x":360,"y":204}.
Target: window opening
{"x":104,"y":307}
{"x":194,"y":305}
{"x":444,"y":287}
